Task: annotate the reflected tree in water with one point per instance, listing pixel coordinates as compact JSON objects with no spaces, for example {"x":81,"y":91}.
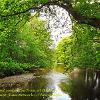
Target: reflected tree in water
{"x":84,"y":86}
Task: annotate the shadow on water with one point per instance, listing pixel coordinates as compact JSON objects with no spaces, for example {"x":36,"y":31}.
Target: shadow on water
{"x":83,"y":86}
{"x":33,"y":90}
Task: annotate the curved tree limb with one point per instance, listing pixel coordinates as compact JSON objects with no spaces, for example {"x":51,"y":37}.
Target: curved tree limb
{"x":95,"y":22}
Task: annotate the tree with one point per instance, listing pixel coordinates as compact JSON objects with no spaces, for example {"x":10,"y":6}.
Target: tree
{"x":63,"y":51}
{"x":15,"y":14}
{"x":82,"y":50}
{"x":35,"y":42}
{"x":83,"y":11}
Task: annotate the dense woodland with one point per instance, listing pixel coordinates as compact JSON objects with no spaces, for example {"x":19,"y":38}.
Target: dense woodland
{"x":25,"y":42}
{"x":81,"y":49}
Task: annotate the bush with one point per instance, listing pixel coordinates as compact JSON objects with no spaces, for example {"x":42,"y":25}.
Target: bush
{"x":13,"y":68}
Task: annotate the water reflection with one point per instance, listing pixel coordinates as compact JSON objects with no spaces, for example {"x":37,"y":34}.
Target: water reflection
{"x":33,"y":90}
{"x":83,"y":86}
{"x":43,"y":87}
{"x":54,"y":79}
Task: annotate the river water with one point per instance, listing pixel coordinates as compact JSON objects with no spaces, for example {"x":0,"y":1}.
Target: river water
{"x":84,"y":85}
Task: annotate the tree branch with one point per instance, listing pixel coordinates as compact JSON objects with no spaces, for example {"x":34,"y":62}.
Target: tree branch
{"x":95,"y":22}
{"x":31,"y":8}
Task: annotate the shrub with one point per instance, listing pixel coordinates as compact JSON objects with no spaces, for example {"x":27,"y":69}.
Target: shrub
{"x":13,"y":68}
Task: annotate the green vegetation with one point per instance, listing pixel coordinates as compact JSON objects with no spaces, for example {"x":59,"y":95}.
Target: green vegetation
{"x":25,"y":43}
{"x":82,"y":49}
{"x":24,"y":48}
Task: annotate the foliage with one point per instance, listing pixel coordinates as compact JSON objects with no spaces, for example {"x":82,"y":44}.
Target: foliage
{"x":63,"y":50}
{"x":12,"y":68}
{"x":82,"y":50}
{"x":35,"y":43}
{"x":25,"y":45}
{"x":24,"y":39}
{"x":87,"y":8}
{"x":30,"y":44}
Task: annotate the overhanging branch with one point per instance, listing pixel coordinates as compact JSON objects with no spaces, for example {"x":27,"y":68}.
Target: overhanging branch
{"x":31,"y":8}
{"x":95,"y":22}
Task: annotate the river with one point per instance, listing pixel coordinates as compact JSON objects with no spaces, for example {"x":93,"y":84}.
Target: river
{"x":53,"y":86}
